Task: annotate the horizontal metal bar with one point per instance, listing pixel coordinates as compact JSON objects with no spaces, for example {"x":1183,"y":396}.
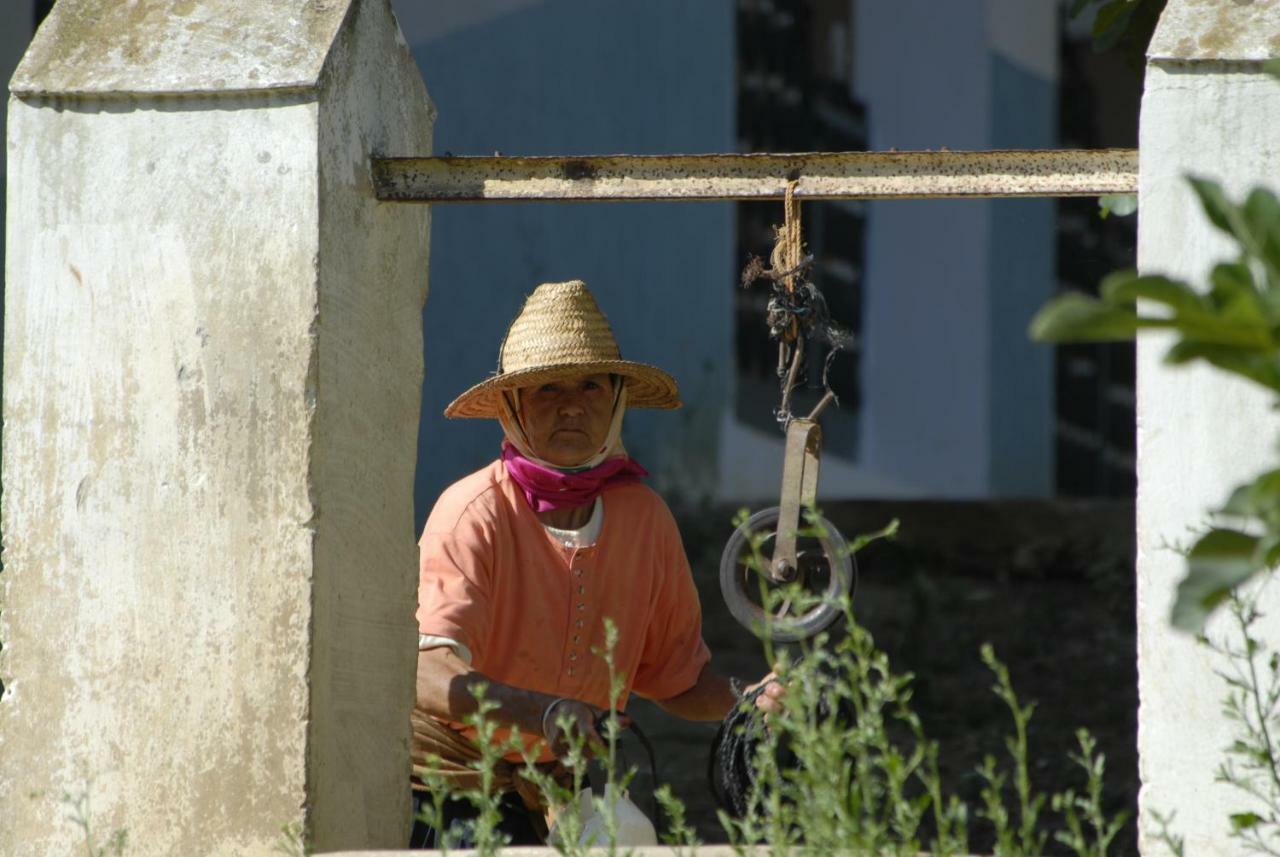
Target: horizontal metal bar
{"x":821,"y":175}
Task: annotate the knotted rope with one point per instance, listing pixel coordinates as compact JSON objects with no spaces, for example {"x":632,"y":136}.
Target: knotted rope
{"x":797,"y":311}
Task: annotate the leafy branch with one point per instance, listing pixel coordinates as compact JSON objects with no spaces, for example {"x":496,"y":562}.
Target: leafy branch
{"x":1233,"y":325}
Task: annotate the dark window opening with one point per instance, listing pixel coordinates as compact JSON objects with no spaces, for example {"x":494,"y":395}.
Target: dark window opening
{"x":794,"y":85}
{"x":1095,"y":405}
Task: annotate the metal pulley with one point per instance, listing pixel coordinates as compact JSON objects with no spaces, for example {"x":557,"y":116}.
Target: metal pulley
{"x":813,"y":561}
{"x":794,"y":582}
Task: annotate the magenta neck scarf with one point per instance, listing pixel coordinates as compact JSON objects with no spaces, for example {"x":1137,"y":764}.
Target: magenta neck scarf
{"x":547,"y":489}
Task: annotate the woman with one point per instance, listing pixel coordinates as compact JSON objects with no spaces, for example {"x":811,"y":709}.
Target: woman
{"x":523,"y":561}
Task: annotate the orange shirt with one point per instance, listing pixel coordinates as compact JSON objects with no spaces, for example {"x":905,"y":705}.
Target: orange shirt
{"x":532,"y":610}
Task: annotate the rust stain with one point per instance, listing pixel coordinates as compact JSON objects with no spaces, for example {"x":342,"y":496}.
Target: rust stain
{"x":75,"y":272}
{"x":576,"y":170}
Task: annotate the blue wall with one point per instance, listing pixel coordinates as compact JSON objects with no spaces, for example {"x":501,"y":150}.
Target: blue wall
{"x":582,"y":77}
{"x":1022,"y":250}
{"x":926,"y":369}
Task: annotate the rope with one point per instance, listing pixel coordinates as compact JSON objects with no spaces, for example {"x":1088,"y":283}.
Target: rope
{"x":797,"y":311}
{"x":730,"y":768}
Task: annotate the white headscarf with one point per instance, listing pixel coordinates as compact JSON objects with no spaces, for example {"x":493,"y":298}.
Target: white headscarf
{"x":512,"y":427}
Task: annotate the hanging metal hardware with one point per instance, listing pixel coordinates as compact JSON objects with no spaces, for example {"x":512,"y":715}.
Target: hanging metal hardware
{"x":796,"y":313}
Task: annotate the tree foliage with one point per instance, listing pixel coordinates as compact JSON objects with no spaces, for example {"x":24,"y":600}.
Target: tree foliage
{"x":1121,"y":25}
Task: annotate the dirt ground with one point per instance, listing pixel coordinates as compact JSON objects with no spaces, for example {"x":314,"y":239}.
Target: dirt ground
{"x":1048,"y":583}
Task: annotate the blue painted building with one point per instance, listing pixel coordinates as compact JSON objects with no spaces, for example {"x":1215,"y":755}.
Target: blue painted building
{"x":954,"y":401}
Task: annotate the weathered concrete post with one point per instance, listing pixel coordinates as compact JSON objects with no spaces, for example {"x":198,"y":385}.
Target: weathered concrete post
{"x":1208,"y":110}
{"x":213,"y":364}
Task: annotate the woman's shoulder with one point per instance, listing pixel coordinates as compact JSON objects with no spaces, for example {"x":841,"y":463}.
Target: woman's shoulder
{"x":478,"y":497}
{"x":640,"y":503}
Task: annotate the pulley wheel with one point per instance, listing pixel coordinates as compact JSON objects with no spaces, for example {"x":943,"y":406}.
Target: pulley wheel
{"x":825,"y":568}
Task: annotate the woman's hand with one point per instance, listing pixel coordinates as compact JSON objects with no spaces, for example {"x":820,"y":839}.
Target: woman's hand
{"x":563,"y":718}
{"x":770,"y":699}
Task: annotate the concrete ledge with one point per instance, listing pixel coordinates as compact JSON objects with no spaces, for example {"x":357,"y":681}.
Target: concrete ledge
{"x":1214,"y":31}
{"x":159,"y":47}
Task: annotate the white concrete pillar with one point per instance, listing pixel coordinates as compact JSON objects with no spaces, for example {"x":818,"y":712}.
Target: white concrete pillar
{"x":212,"y":372}
{"x":1208,"y":110}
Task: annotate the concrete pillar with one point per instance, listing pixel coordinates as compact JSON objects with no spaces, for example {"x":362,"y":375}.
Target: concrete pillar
{"x":212,"y":372}
{"x":1207,"y":109}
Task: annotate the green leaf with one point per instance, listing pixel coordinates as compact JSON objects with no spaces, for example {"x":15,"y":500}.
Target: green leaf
{"x":1272,"y":67}
{"x":1244,"y":820}
{"x":1219,"y":562}
{"x":1269,"y":550}
{"x":1244,"y":361}
{"x":888,"y":531}
{"x":1256,"y":498}
{"x":1074,"y":317}
{"x":1239,"y":306}
{"x":1111,"y":23}
{"x":1262,"y":213}
{"x":1231,"y":280}
{"x":1119,"y":204}
{"x":1220,"y":210}
{"x":1124,"y":287}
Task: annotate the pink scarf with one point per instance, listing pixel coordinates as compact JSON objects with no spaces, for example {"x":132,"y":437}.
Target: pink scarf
{"x":547,"y":488}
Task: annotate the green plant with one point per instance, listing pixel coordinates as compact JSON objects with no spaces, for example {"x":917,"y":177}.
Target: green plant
{"x":1251,"y":670}
{"x":1252,"y":763}
{"x":1025,"y":837}
{"x":1089,"y":832}
{"x":564,"y":798}
{"x":79,"y":813}
{"x":679,"y":834}
{"x":1166,"y":835}
{"x":847,"y":767}
{"x":1125,"y":25}
{"x":293,"y":841}
{"x":1234,"y":325}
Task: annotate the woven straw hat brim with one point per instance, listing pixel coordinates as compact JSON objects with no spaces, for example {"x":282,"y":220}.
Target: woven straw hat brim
{"x":647,"y":386}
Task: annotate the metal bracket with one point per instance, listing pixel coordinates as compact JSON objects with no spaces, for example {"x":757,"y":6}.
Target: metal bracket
{"x":799,"y":490}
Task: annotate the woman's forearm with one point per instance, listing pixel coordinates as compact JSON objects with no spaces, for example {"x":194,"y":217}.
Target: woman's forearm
{"x":710,"y":698}
{"x":447,"y":687}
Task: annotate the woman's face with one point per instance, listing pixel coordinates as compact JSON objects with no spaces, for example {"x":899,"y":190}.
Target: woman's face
{"x":566,"y":422}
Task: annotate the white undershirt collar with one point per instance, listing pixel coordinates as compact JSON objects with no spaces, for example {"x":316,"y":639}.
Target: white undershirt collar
{"x":585,"y":536}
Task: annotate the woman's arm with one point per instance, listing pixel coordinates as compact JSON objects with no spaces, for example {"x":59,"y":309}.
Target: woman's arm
{"x":444,"y":690}
{"x":712,"y":697}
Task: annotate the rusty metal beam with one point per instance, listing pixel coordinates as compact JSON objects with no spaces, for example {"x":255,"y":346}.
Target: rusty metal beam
{"x":821,"y":175}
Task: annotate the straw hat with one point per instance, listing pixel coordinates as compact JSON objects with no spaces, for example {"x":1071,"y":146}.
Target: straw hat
{"x":561,"y":332}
